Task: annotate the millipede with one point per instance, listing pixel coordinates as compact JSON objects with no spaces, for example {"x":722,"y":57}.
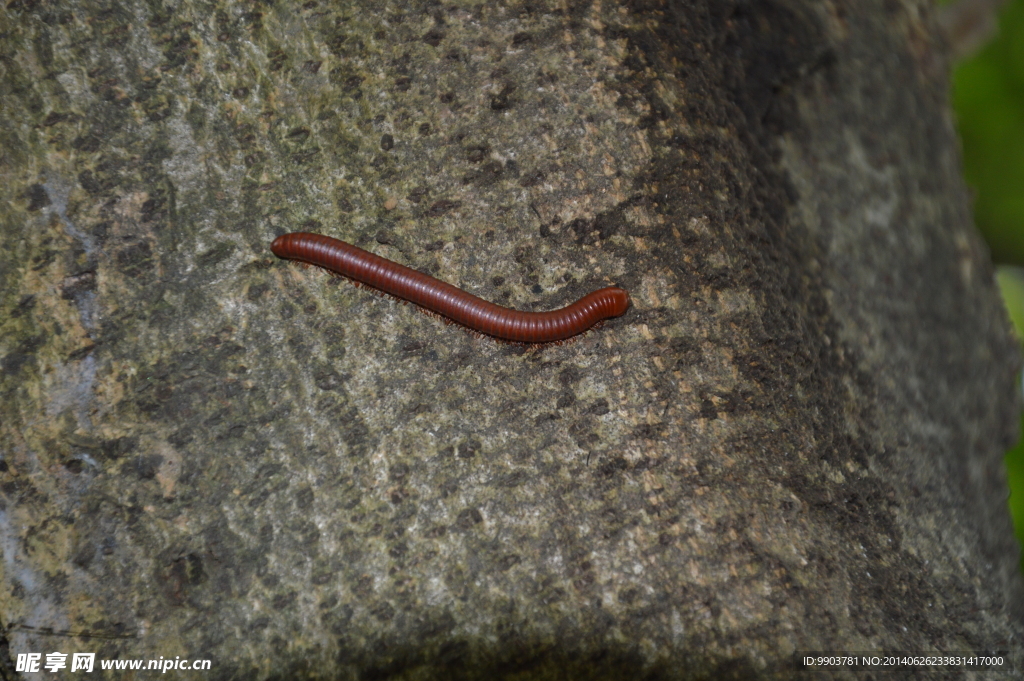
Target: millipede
{"x":450,"y":302}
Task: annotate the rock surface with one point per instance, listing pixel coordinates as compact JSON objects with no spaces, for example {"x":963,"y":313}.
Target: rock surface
{"x":791,"y":442}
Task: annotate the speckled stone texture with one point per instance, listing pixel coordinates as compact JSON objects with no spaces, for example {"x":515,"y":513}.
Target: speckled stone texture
{"x":791,"y":442}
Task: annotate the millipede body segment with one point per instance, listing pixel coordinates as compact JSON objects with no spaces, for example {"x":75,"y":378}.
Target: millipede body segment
{"x":448,"y":301}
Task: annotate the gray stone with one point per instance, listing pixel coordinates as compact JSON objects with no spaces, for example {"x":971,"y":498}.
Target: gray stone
{"x":791,"y":442}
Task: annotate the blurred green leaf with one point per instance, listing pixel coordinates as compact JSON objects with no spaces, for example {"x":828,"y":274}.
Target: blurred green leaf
{"x":1011,"y":284}
{"x":1015,"y":476}
{"x":988,"y":95}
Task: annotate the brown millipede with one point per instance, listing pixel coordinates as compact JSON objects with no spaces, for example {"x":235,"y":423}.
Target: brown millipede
{"x":448,"y":301}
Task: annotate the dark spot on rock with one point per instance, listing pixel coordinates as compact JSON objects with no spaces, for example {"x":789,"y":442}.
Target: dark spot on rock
{"x":485,"y":176}
{"x":256,"y":291}
{"x":468,"y":518}
{"x":282,"y":601}
{"x":183,"y":574}
{"x":613,"y":466}
{"x":581,"y":226}
{"x":115,"y":449}
{"x":216,"y":255}
{"x":687,"y":351}
{"x":647,"y":431}
{"x":439,"y":208}
{"x":37,"y":197}
{"x":54,"y":118}
{"x":146,"y":467}
{"x":532,"y":179}
{"x":433,"y":37}
{"x":81,"y":352}
{"x":24,"y":306}
{"x":507,"y":561}
{"x":89,"y":182}
{"x":383,"y":612}
{"x":606,"y":224}
{"x":277,"y":60}
{"x":304,"y":498}
{"x":477,"y":153}
{"x":417,"y":194}
{"x":134,"y":258}
{"x":308,"y":535}
{"x":328,"y":379}
{"x":78,"y":283}
{"x":87,"y":143}
{"x":569,"y":376}
{"x":398,"y":472}
{"x":151,"y":209}
{"x":503,"y":100}
{"x":513,"y":479}
{"x":468,"y":450}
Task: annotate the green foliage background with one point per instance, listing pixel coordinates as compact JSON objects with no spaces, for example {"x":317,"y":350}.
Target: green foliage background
{"x":988,"y":97}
